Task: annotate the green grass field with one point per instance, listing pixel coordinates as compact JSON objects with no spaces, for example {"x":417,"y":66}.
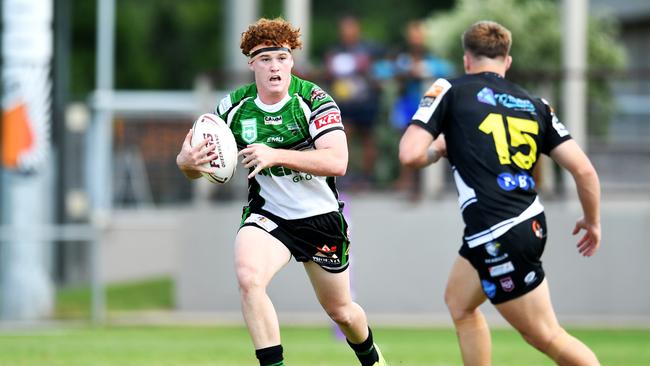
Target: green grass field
{"x":230,"y":346}
{"x":317,"y":346}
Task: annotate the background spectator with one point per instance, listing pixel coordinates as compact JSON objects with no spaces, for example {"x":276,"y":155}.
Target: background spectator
{"x":348,"y":67}
{"x":415,"y":69}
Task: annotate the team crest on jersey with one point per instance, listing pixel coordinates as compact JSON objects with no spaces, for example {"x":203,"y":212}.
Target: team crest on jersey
{"x":249,"y":130}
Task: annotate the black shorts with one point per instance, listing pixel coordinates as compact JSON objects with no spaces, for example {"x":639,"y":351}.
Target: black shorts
{"x":511,"y":265}
{"x":323,"y":239}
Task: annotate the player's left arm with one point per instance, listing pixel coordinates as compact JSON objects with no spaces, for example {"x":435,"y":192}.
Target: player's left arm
{"x":329,"y":159}
{"x":571,"y":157}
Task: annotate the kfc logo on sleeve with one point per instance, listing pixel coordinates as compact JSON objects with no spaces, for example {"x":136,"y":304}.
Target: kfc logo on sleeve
{"x":328,"y":119}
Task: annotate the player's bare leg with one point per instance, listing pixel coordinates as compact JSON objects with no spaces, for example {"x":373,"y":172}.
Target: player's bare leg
{"x":533,"y":316}
{"x":463,"y":296}
{"x":333,"y":293}
{"x":258,"y":257}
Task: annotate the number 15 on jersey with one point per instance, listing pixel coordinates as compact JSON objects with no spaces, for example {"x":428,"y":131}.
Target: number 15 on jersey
{"x":520,"y":131}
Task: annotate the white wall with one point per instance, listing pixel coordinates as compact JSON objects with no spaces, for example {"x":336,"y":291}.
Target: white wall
{"x":402,"y":253}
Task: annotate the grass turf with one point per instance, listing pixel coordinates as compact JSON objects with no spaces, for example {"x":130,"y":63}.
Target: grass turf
{"x":149,"y":294}
{"x":317,"y":346}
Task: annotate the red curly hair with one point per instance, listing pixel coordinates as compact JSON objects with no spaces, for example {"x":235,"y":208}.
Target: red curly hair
{"x":270,"y":32}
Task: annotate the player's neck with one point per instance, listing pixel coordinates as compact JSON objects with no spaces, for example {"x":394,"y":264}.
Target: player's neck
{"x":478,"y":65}
{"x":496,"y":70}
{"x":271,"y":98}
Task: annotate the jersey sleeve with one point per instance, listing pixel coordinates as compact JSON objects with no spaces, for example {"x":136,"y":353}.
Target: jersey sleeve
{"x":325,"y":115}
{"x":431,"y":113}
{"x":224,"y":106}
{"x":556,"y":132}
{"x":231,"y":100}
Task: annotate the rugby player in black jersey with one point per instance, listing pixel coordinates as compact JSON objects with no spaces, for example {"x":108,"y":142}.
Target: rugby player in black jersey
{"x":493,"y":131}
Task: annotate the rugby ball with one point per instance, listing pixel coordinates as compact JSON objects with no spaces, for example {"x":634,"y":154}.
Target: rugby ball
{"x":218,"y":133}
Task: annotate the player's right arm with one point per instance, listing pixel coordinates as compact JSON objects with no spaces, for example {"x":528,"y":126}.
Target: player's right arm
{"x":190,"y":159}
{"x":571,"y":157}
{"x":417,"y":148}
{"x":422,"y":143}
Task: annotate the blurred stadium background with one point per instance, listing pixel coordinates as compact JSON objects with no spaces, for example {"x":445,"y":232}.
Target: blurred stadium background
{"x":97,"y":224}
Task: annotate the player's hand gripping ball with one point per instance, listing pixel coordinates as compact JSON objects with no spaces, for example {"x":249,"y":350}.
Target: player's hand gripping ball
{"x":218,"y":133}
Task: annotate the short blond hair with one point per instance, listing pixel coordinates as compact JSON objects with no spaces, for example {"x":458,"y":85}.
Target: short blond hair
{"x":487,"y":39}
{"x":270,"y":32}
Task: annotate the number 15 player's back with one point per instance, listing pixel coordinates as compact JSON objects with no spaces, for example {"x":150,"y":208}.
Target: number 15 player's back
{"x":495,"y":133}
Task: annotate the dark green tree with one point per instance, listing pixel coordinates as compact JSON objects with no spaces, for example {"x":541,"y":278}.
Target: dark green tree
{"x":536,"y":26}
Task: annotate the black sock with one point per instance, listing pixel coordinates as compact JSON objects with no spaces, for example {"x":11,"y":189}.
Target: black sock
{"x":365,"y":351}
{"x":270,"y":356}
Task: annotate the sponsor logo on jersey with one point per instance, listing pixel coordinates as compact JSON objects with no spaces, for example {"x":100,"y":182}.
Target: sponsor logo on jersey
{"x":317,"y":94}
{"x":272,"y":120}
{"x":434,"y":90}
{"x":224,"y":105}
{"x":293,"y":128}
{"x":430,"y":95}
{"x":300,"y":177}
{"x":249,"y":130}
{"x":278,"y":171}
{"x":538,"y":229}
{"x":493,"y":248}
{"x":333,"y":117}
{"x":281,"y":171}
{"x":430,"y":100}
{"x":530,"y":277}
{"x":509,"y":182}
{"x":276,"y":139}
{"x":427,"y":101}
{"x":489,"y":288}
{"x":486,"y":95}
{"x":496,"y":259}
{"x":507,"y":284}
{"x":330,"y":261}
{"x":557,"y":125}
{"x":261,"y":221}
{"x":512,"y":102}
{"x":327,"y":249}
{"x":501,"y":269}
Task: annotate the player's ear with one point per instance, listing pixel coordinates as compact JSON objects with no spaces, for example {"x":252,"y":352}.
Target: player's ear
{"x":466,"y":62}
{"x":508,"y":62}
{"x":250,"y":65}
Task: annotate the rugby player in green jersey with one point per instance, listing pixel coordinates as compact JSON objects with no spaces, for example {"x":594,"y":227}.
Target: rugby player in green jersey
{"x":290,"y":135}
{"x":505,"y":226}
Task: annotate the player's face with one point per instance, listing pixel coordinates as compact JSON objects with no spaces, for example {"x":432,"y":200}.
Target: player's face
{"x":272,"y":71}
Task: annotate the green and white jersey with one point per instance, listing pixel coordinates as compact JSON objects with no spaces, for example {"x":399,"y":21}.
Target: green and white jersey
{"x":295,"y":123}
